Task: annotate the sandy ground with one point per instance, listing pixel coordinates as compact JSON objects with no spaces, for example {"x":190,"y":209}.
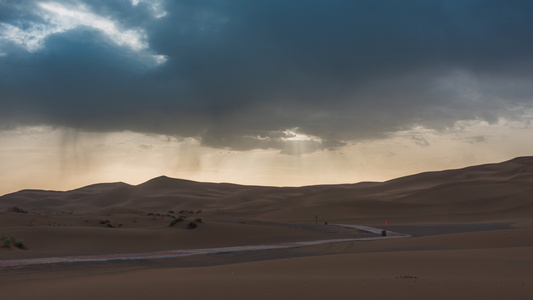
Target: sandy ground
{"x":486,"y":265}
{"x":472,"y":228}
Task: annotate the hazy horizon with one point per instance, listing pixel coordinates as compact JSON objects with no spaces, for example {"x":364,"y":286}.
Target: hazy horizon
{"x":81,"y":184}
{"x":282,"y":93}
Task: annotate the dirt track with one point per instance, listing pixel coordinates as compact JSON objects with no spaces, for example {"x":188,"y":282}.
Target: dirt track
{"x":191,"y":252}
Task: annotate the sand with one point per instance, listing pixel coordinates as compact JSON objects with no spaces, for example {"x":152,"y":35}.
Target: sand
{"x":472,"y":239}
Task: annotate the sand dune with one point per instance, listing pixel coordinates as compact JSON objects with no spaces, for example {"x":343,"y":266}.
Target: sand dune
{"x":493,"y":187}
{"x":473,"y":238}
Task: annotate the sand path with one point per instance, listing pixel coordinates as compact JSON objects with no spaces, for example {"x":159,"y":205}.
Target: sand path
{"x":191,"y":252}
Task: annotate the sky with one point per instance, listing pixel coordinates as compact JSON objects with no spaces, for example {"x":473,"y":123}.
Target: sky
{"x":266,"y":92}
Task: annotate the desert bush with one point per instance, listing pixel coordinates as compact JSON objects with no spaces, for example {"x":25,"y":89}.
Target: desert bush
{"x":191,"y":225}
{"x":17,"y":210}
{"x":8,"y":241}
{"x":198,"y":220}
{"x":19,"y":244}
{"x":174,"y":221}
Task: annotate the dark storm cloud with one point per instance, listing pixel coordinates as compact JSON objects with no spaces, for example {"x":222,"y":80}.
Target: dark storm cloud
{"x":239,"y":73}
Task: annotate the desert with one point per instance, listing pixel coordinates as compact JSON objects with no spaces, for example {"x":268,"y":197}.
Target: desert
{"x":294,"y":149}
{"x":470,"y":236}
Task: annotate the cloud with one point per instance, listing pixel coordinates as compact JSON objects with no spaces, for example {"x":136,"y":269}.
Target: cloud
{"x":66,"y":18}
{"x":55,"y":18}
{"x":475,"y":139}
{"x":238,"y":74}
{"x":155,"y":6}
{"x":420,"y":141}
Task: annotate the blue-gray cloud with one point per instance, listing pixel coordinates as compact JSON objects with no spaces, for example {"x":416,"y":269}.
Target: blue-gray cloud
{"x":237,"y":73}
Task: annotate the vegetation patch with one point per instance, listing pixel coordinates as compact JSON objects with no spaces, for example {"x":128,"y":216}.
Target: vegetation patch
{"x":108,"y":224}
{"x":174,"y":221}
{"x":16,"y":209}
{"x":169,"y":214}
{"x":7,"y":242}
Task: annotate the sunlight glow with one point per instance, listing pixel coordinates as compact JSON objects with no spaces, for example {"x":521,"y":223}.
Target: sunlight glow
{"x":294,"y":135}
{"x":64,"y":158}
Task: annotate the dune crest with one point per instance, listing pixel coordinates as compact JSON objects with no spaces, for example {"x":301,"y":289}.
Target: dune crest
{"x":502,"y":190}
